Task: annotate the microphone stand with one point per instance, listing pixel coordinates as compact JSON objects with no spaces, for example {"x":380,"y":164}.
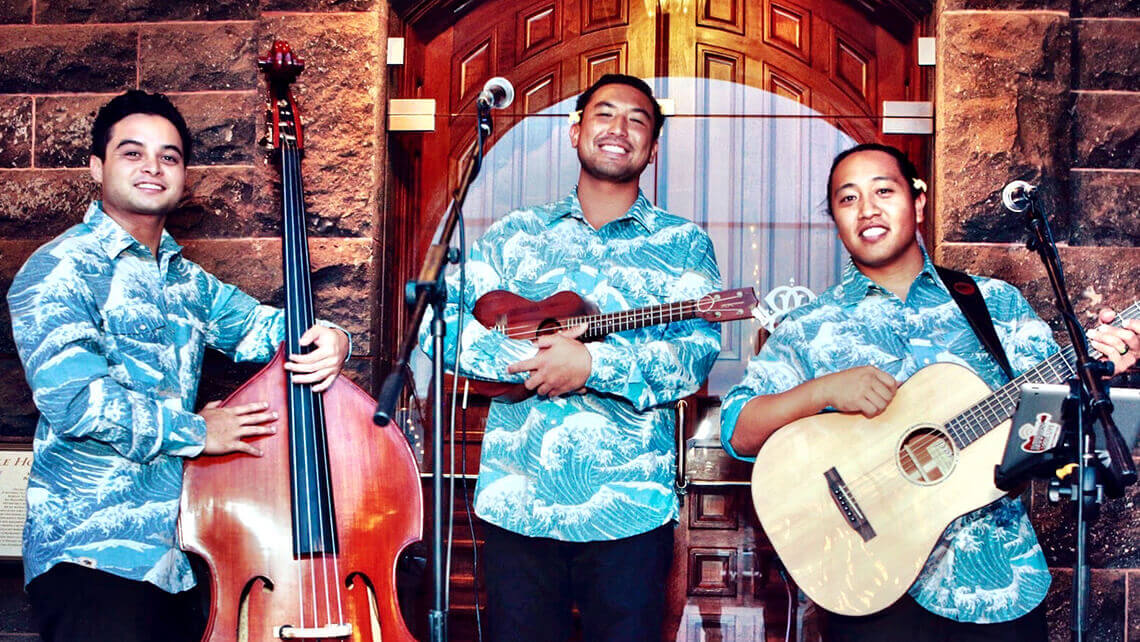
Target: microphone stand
{"x":429,"y":289}
{"x":1088,"y":402}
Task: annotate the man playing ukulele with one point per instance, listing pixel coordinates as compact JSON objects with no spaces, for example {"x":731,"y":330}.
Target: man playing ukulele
{"x":576,"y":483}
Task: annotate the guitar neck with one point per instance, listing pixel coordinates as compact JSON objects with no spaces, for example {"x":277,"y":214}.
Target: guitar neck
{"x":984,"y":416}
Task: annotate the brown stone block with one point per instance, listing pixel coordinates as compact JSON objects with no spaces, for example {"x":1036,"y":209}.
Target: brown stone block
{"x":63,"y":129}
{"x":1095,"y":276}
{"x":1106,"y":605}
{"x":1106,"y":54}
{"x":341,"y":277}
{"x":15,"y":12}
{"x":13,"y":254}
{"x":1105,"y":208}
{"x":1107,"y":130}
{"x":15,"y":131}
{"x":93,"y":11}
{"x":1109,"y":8}
{"x":39,"y":204}
{"x":336,"y":95}
{"x":1006,"y":5}
{"x":224,"y":202}
{"x":223,"y":126}
{"x":1003,"y":90}
{"x":1113,"y":539}
{"x":196,"y":57}
{"x":18,"y":415}
{"x":55,"y":59}
{"x":317,"y":5}
{"x":231,"y":202}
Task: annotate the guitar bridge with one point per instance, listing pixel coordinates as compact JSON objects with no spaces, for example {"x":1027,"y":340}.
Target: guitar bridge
{"x":847,"y":505}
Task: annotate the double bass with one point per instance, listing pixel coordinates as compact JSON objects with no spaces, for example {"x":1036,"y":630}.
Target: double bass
{"x":302,"y":543}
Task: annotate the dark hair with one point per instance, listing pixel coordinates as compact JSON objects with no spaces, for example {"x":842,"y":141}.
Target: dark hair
{"x":906,"y":167}
{"x":631,"y":81}
{"x":135,"y":101}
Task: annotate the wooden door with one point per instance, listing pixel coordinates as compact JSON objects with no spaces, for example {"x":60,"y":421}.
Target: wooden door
{"x":763,"y":94}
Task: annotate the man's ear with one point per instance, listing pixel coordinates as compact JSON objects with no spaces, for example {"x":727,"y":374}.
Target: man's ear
{"x":919,"y":206}
{"x":96,"y":166}
{"x":653,"y":152}
{"x":575,"y":132}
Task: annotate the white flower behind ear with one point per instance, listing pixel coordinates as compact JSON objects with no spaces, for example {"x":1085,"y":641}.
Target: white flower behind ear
{"x":574,"y":117}
{"x":919,"y":184}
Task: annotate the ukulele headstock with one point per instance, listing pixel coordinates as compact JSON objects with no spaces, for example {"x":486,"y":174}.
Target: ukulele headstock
{"x":282,"y":118}
{"x":730,"y":305}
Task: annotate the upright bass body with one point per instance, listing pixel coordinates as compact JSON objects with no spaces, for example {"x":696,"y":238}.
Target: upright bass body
{"x":237,"y":515}
{"x":302,"y":543}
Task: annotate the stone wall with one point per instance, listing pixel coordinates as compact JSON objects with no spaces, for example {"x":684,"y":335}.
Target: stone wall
{"x":61,"y":59}
{"x":1049,"y":92}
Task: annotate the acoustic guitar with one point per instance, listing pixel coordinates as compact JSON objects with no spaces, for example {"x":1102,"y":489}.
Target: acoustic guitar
{"x":520,"y":318}
{"x":854,"y":506}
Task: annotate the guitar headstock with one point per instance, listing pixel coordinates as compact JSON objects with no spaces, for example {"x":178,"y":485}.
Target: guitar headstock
{"x":729,"y":305}
{"x":282,"y":118}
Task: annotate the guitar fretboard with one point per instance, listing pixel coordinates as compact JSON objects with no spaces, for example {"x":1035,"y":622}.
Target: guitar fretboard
{"x":982,"y":417}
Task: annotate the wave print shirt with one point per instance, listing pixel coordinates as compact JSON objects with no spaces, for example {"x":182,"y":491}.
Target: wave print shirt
{"x":599,"y":465}
{"x":112,"y":343}
{"x":988,"y":567}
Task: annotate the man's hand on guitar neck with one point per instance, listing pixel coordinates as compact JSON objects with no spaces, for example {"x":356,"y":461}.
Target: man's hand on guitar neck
{"x":1120,"y":345}
{"x":562,"y":364}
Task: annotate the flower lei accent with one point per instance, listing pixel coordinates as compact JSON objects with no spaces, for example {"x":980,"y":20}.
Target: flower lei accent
{"x":574,"y":117}
{"x":918,"y":183}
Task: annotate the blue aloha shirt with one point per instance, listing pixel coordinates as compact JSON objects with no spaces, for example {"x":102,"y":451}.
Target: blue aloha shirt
{"x":988,"y":567}
{"x":112,"y":342}
{"x":599,"y":465}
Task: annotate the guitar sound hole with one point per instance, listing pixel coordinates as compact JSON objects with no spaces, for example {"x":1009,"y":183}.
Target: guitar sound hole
{"x":926,"y":455}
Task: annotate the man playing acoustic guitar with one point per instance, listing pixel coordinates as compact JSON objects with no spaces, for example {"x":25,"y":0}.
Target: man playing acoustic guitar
{"x":851,"y":349}
{"x":576,"y":483}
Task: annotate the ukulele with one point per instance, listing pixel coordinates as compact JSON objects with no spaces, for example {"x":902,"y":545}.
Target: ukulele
{"x":520,"y":318}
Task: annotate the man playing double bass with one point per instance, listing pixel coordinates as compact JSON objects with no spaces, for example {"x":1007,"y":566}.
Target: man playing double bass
{"x":851,"y":348}
{"x":111,"y":322}
{"x":576,"y":483}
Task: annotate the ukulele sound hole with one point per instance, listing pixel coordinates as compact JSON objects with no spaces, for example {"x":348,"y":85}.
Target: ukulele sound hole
{"x":926,"y":455}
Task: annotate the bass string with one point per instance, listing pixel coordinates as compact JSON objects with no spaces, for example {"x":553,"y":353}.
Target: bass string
{"x":305,"y":411}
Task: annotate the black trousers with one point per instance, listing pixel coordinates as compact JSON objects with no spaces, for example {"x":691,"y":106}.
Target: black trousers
{"x":618,"y":586}
{"x":906,"y":621}
{"x":72,"y":603}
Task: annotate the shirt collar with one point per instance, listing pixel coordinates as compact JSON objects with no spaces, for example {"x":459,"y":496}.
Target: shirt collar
{"x":114,"y":239}
{"x":856,"y":286}
{"x":641,"y":211}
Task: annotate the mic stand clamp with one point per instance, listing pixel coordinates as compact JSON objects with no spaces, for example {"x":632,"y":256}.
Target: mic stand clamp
{"x":1083,"y":488}
{"x":429,"y":289}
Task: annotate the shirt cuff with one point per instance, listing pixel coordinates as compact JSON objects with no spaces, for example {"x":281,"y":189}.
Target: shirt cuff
{"x":729,"y":415}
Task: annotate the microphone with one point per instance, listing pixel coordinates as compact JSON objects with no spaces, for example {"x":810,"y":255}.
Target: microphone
{"x":1017,"y":196}
{"x":498,"y":93}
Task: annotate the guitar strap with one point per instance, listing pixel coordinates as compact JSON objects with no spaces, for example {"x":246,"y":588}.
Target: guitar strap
{"x":969,"y":298}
